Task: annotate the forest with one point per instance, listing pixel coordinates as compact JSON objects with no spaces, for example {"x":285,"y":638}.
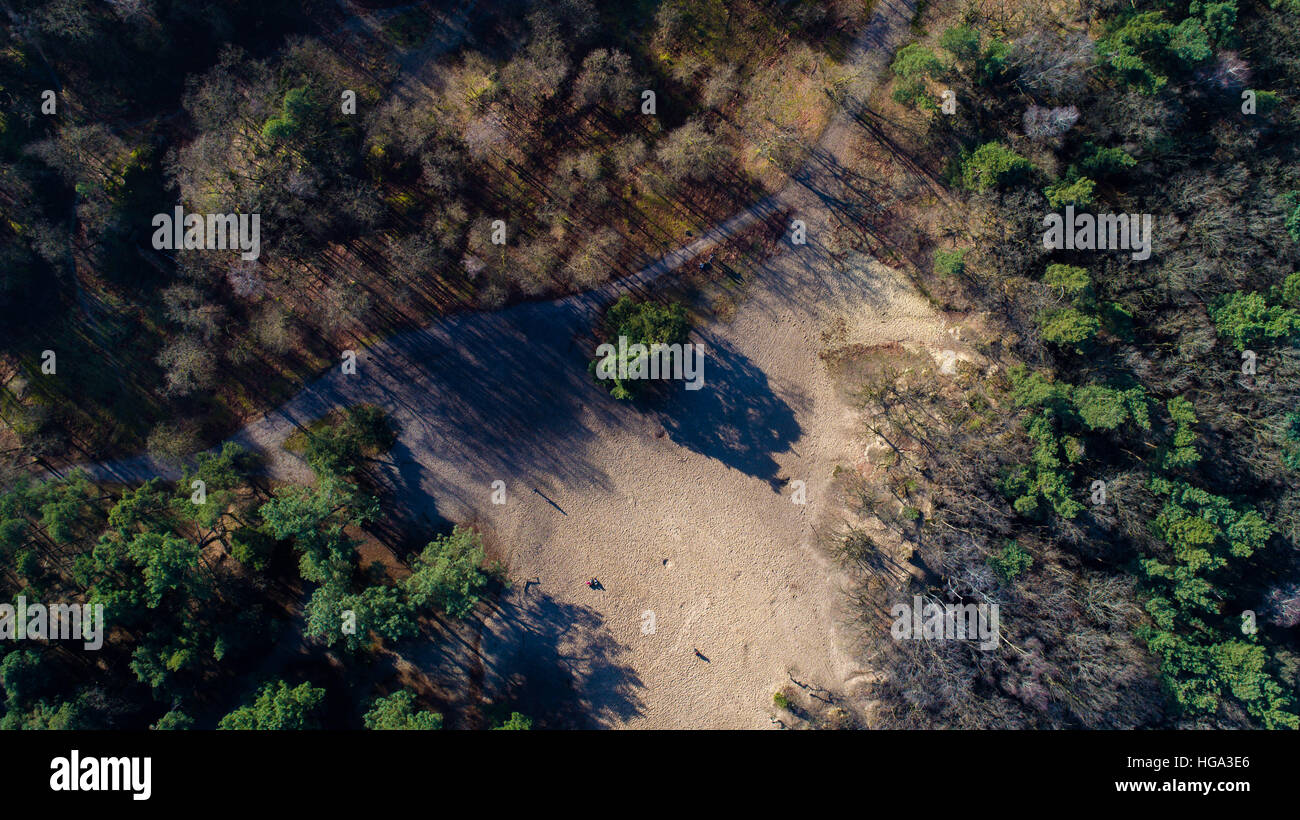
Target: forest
{"x":1120,"y":475}
{"x":1115,"y":467}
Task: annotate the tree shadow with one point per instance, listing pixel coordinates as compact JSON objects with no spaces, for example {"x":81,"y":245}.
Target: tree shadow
{"x":557,"y":663}
{"x":735,"y":417}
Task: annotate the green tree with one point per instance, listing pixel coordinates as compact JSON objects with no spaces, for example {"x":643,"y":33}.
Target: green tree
{"x":339,"y":449}
{"x":1078,"y":192}
{"x":167,"y":562}
{"x":912,"y":65}
{"x":1106,"y":408}
{"x":1067,"y":326}
{"x":378,"y":609}
{"x":449,"y":573}
{"x":950,"y":263}
{"x":314,"y":519}
{"x":174,"y":720}
{"x":1069,"y":280}
{"x":1246,"y":319}
{"x":1104,"y":162}
{"x":641,"y":323}
{"x":398,"y":712}
{"x":516,"y":722}
{"x":278,"y":707}
{"x":993,"y":165}
{"x":1181,"y":451}
{"x":1011,"y":561}
{"x":963,"y":42}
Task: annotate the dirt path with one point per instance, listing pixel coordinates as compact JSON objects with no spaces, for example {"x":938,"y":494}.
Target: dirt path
{"x":684,"y":512}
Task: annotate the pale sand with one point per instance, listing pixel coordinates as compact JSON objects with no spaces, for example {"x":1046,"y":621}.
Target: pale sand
{"x":745,"y":582}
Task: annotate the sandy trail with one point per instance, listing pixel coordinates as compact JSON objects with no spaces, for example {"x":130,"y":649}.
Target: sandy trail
{"x":683,"y":511}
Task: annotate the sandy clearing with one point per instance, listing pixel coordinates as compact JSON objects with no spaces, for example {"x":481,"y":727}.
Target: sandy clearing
{"x":744,"y":582}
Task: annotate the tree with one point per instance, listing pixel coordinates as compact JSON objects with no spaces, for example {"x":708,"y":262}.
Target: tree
{"x":1144,"y":49}
{"x":536,"y":72}
{"x":1078,"y":192}
{"x":1247,"y":320}
{"x":720,"y":87}
{"x":174,"y":720}
{"x":398,"y":712}
{"x":641,"y":323}
{"x":24,"y":675}
{"x":449,"y":573}
{"x":277,"y":708}
{"x":963,"y":42}
{"x":605,"y":77}
{"x":993,"y":165}
{"x":516,"y":722}
{"x":913,"y":64}
{"x":691,"y":151}
{"x":1012,"y":561}
{"x":1053,"y":63}
{"x":1181,"y":451}
{"x":338,"y":449}
{"x":1069,"y":280}
{"x":950,"y":263}
{"x":191,"y":365}
{"x":314,"y":518}
{"x":1104,"y":162}
{"x":592,"y":262}
{"x":1067,"y":326}
{"x":1048,"y":123}
{"x":297,"y":113}
{"x":1105,"y":408}
{"x":915,"y":60}
{"x":378,"y":609}
{"x":1292,"y":201}
{"x":168,"y":563}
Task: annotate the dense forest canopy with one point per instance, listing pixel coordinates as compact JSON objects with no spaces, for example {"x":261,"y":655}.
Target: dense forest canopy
{"x":1123,"y":480}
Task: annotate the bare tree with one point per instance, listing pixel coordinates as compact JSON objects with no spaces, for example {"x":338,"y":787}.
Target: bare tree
{"x":1053,"y":64}
{"x":1046,"y":123}
{"x":606,"y":77}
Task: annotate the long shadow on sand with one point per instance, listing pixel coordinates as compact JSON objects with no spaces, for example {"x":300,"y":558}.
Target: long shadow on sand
{"x":735,"y":418}
{"x":557,"y":663}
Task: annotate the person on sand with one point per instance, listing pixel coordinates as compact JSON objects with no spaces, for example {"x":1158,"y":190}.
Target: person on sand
{"x":593,"y":584}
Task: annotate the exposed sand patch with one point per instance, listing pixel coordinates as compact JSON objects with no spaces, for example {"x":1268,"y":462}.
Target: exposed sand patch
{"x":710,"y":543}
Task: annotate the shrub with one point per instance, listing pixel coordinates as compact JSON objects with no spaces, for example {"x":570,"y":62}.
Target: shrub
{"x":1067,"y":326}
{"x":1012,"y":561}
{"x":1078,"y":193}
{"x":950,"y":263}
{"x":993,"y":165}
